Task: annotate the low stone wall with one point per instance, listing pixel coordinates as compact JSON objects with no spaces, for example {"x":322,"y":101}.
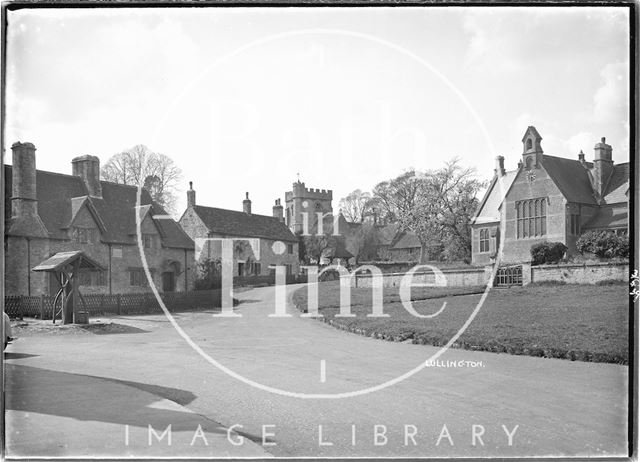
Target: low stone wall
{"x":586,"y":273}
{"x":454,"y":278}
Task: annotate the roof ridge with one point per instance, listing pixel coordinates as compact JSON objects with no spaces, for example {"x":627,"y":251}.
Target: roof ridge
{"x":121,"y":184}
{"x":563,"y":158}
{"x":238,"y":211}
{"x":68,"y":175}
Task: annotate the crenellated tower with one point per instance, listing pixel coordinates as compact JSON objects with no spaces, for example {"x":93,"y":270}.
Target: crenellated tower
{"x":302,"y":199}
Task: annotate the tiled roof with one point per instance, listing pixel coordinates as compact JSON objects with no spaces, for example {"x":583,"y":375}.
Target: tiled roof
{"x":116,"y":208}
{"x":62,"y":259}
{"x":571,"y":178}
{"x":488,"y":209}
{"x":616,"y":190}
{"x":408,"y":240}
{"x":338,"y":251}
{"x":241,"y":224}
{"x":608,"y":218}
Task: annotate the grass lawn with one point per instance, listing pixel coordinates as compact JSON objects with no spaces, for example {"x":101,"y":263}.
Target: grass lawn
{"x":576,"y":322}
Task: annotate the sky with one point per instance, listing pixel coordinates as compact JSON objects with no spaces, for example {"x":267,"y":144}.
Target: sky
{"x":251,"y":99}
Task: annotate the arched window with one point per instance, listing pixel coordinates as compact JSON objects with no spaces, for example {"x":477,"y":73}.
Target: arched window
{"x":529,"y":144}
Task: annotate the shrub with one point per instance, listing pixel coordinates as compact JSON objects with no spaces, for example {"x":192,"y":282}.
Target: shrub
{"x":603,"y":244}
{"x":547,"y":252}
{"x":210,"y":275}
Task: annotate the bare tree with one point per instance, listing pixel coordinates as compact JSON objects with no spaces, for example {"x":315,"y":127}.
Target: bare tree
{"x":154,"y":171}
{"x":456,"y":189}
{"x":356,"y":206}
{"x":436,"y":206}
{"x":396,"y":197}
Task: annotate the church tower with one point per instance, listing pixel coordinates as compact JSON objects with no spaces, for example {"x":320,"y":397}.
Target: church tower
{"x":302,"y":200}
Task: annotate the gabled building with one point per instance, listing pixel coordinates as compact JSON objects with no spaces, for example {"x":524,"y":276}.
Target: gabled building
{"x":549,"y":198}
{"x":278,"y":245}
{"x":47,"y":213}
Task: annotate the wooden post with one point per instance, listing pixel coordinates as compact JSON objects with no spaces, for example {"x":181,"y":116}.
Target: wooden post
{"x":67,"y":301}
{"x":119,"y":305}
{"x":75,"y":283}
{"x":41,"y":307}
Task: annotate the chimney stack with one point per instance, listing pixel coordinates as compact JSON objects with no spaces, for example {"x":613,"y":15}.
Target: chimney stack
{"x":581,"y":156}
{"x":191,"y":195}
{"x":24,"y":202}
{"x":88,"y":168}
{"x":25,"y":220}
{"x":602,"y":165}
{"x":246,"y":204}
{"x":278,"y":211}
{"x":499,"y":170}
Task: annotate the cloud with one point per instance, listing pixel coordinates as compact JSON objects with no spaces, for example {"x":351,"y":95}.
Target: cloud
{"x":490,"y":50}
{"x":610,"y":102}
{"x":583,"y":141}
{"x":522,"y":122}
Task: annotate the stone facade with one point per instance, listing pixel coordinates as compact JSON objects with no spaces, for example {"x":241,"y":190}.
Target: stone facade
{"x":517,"y":249}
{"x":548,"y":199}
{"x":278,"y":246}
{"x":22,"y":254}
{"x":70,"y":212}
{"x":302,"y":200}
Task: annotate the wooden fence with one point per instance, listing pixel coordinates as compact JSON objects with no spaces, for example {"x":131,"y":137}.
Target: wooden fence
{"x":19,"y":306}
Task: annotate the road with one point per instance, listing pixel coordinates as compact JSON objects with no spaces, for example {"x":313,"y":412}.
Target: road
{"x":77,"y":395}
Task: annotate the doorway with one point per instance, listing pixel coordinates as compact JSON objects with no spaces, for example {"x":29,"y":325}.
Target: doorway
{"x":168,"y":281}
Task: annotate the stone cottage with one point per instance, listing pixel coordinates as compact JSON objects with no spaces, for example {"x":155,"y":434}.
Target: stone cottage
{"x":278,"y":245}
{"x":548,"y":198}
{"x":47,"y":213}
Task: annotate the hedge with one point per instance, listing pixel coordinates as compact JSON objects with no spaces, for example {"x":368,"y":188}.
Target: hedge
{"x":547,"y":252}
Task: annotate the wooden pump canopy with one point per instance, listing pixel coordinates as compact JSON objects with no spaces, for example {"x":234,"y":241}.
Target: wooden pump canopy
{"x":67,"y":267}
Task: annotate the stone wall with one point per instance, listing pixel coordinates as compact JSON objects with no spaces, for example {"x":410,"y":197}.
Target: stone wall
{"x":590,"y":273}
{"x":454,"y":278}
